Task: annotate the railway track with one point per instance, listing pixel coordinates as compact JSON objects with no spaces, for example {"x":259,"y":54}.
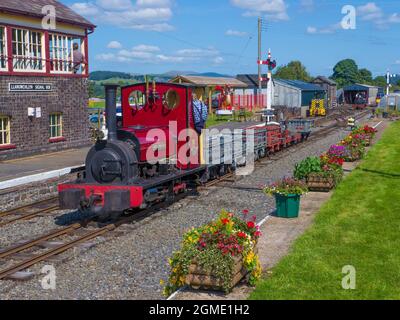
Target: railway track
{"x":78,"y":234}
{"x":29,"y":259}
{"x":28,"y":212}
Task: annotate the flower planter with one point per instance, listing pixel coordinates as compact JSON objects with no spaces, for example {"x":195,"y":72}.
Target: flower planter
{"x":367,"y":141}
{"x":287,"y":206}
{"x":198,"y":278}
{"x":318,"y":183}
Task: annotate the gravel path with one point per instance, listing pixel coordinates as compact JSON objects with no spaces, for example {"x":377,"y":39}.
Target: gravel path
{"x":131,"y":266}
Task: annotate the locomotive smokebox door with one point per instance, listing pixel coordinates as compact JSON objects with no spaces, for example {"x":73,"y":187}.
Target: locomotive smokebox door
{"x":71,"y":199}
{"x":117,"y":201}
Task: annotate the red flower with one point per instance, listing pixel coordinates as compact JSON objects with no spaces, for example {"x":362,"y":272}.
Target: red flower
{"x":257,"y":234}
{"x":246,"y":212}
{"x":251,"y":225}
{"x":225,"y":221}
{"x":242,"y":235}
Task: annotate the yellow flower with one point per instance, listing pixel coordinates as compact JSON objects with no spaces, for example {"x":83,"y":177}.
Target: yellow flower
{"x":250,"y":257}
{"x":162,"y":282}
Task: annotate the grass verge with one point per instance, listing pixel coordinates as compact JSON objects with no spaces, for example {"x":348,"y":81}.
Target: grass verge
{"x":359,"y":226}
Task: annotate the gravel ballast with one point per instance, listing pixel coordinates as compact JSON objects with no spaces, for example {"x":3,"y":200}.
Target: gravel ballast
{"x":131,"y":266}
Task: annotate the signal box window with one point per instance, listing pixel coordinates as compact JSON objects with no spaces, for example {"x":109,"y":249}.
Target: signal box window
{"x":66,"y":54}
{"x":4,"y":130}
{"x":3,"y":49}
{"x":56,"y":125}
{"x":27,"y":50}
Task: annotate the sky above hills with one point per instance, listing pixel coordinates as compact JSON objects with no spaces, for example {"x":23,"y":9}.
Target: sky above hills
{"x":156,"y":36}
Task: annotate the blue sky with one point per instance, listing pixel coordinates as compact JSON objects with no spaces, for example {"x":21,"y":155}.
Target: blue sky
{"x":156,"y":36}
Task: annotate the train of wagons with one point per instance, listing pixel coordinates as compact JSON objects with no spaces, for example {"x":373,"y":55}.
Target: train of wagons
{"x":119,"y":175}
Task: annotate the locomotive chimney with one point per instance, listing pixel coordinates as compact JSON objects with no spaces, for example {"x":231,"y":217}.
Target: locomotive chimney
{"x":111,"y":110}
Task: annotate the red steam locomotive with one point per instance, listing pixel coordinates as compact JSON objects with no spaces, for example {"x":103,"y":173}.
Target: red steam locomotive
{"x":157,"y":153}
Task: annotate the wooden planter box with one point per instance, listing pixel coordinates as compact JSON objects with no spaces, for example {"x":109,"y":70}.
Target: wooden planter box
{"x":317,"y":183}
{"x":198,"y":278}
{"x":368,"y":141}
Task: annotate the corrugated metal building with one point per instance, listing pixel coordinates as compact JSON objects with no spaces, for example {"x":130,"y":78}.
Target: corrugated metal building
{"x":351,"y":93}
{"x":295,"y":93}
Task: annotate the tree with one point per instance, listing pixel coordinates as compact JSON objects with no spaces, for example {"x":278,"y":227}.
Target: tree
{"x":365,"y":76}
{"x":346,"y":73}
{"x":380,"y":81}
{"x":293,"y":71}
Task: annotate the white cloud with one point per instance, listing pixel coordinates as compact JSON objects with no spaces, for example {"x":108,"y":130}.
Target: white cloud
{"x":150,"y":15}
{"x":85,"y":8}
{"x":198,"y":53}
{"x":327,"y":30}
{"x":370,"y":12}
{"x":374,"y":14}
{"x":132,"y":54}
{"x":146,"y":48}
{"x":114,"y":45}
{"x":394,"y":18}
{"x":218,"y":60}
{"x":105,"y":56}
{"x":144,"y":53}
{"x":312,"y":30}
{"x":271,"y":9}
{"x":164,"y":58}
{"x":236,"y":33}
{"x":114,"y":5}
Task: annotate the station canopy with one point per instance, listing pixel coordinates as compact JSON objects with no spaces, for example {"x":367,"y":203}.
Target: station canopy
{"x":359,"y":87}
{"x":201,"y":81}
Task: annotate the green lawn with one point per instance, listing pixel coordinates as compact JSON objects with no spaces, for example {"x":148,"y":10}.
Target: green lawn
{"x":359,"y":226}
{"x":213,"y":120}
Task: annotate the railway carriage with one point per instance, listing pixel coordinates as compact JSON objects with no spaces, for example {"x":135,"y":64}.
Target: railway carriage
{"x":157,"y":153}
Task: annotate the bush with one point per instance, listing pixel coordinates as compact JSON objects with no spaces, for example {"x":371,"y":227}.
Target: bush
{"x":307,"y":166}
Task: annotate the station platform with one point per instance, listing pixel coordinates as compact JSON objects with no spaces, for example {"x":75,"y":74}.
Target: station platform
{"x":14,"y":173}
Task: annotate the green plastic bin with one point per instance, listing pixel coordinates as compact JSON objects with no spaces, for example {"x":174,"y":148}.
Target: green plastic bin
{"x":287,"y":206}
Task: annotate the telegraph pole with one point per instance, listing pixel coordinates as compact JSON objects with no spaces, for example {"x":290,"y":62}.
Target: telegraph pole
{"x":259,"y":56}
{"x":388,"y":82}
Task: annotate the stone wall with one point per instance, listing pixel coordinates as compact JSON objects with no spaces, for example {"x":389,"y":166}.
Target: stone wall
{"x":31,"y":135}
{"x":30,"y":193}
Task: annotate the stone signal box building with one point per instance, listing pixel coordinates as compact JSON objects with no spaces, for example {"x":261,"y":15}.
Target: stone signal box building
{"x":43,"y":78}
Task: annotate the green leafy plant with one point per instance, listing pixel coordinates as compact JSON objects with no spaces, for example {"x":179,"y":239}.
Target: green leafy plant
{"x":307,"y":166}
